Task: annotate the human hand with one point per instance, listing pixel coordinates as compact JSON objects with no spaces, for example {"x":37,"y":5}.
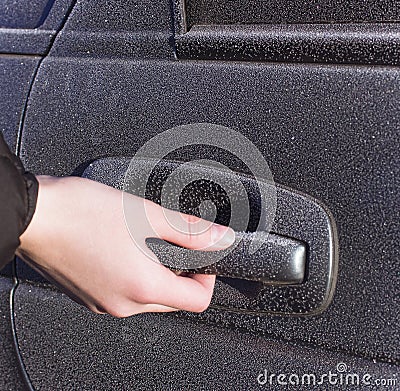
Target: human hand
{"x":78,"y":239}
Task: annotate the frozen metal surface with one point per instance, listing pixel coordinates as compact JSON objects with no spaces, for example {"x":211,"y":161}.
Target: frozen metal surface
{"x":324,"y":43}
{"x":297,"y":216}
{"x":27,"y":14}
{"x":282,"y":11}
{"x":36,"y":24}
{"x":278,"y":261}
{"x":15,"y":78}
{"x":328,"y":131}
{"x":75,"y":349}
{"x":128,"y":29}
{"x":10,"y":379}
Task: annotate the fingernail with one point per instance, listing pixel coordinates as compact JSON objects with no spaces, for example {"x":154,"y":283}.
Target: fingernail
{"x":222,"y":236}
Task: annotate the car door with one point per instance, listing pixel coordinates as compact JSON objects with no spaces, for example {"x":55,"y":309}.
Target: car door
{"x":26,"y":32}
{"x":314,"y":87}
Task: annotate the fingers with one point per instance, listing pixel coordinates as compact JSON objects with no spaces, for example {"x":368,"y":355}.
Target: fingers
{"x":162,"y":290}
{"x":181,"y":293}
{"x":155,"y":288}
{"x":133,"y":309}
{"x":192,"y":293}
{"x":157,"y":308}
{"x":187,"y":292}
{"x":188,"y":231}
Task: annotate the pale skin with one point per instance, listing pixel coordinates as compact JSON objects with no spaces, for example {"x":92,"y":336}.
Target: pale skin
{"x":78,"y":239}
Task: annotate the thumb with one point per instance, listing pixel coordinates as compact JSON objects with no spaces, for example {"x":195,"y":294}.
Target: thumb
{"x":189,"y":231}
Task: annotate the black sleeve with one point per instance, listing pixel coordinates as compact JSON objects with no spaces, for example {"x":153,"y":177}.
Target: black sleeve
{"x":18,"y":195}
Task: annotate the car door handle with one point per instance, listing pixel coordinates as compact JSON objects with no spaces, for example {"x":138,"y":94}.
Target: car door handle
{"x":294,"y":267}
{"x":277,"y":260}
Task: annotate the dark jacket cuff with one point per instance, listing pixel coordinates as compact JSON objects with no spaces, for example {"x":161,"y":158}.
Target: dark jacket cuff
{"x":18,"y":197}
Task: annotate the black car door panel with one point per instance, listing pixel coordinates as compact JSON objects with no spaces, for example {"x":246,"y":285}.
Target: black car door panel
{"x":29,"y":27}
{"x":17,"y":74}
{"x":162,"y":352}
{"x":327,"y":123}
{"x":298,"y":114}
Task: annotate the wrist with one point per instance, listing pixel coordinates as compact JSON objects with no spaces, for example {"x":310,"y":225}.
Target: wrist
{"x":33,"y":229}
